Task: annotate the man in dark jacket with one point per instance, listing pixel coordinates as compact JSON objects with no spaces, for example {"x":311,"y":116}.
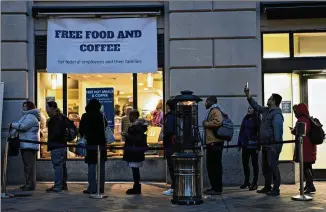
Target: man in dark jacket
{"x":57,"y":146}
{"x":271,"y":132}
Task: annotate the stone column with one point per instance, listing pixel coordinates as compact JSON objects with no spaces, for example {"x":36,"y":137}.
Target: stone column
{"x":14,"y":69}
{"x":215,"y":50}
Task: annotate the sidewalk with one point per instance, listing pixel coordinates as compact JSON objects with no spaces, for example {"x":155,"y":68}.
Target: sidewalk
{"x":233,"y":199}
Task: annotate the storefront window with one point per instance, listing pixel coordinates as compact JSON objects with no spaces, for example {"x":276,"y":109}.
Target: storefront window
{"x":150,"y":94}
{"x":309,"y":44}
{"x":276,"y":45}
{"x":288,"y":87}
{"x":49,"y":89}
{"x":150,"y":106}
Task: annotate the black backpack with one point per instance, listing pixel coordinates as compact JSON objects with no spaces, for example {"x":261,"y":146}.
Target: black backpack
{"x":70,"y":129}
{"x":317,"y":134}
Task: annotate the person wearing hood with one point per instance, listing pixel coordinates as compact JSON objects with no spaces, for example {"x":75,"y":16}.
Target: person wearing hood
{"x":248,"y":142}
{"x":28,"y":129}
{"x":271,"y":132}
{"x":92,"y":127}
{"x":309,"y":150}
{"x":135,"y":148}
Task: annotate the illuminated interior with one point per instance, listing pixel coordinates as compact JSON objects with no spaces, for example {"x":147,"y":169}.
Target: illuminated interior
{"x":316,"y":89}
{"x":309,"y":44}
{"x":150,"y":93}
{"x":276,"y":45}
{"x":288,"y":86}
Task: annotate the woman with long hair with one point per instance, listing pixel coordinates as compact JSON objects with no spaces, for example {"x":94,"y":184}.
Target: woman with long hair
{"x":135,"y":148}
{"x":248,"y":142}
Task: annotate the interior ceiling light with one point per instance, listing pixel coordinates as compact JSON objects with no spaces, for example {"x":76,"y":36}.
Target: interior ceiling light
{"x":54,"y":81}
{"x":150,"y":80}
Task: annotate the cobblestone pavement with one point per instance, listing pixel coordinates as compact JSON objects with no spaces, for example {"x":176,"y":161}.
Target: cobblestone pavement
{"x":233,"y":199}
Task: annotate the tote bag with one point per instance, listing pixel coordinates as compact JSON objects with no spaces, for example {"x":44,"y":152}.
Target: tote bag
{"x":109,"y":137}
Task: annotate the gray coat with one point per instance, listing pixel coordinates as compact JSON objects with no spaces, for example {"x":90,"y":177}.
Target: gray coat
{"x":271,"y":128}
{"x":29,"y":128}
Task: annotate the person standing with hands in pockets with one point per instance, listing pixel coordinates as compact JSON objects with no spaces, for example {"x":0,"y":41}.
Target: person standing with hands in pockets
{"x":271,"y":132}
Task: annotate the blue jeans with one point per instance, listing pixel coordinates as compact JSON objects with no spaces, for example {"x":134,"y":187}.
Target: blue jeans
{"x":271,"y":170}
{"x":58,"y":157}
{"x":92,"y":186}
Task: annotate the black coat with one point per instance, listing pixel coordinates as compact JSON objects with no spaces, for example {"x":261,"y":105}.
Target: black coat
{"x":136,"y":142}
{"x":92,"y":127}
{"x":249,"y":131}
{"x":56,"y":132}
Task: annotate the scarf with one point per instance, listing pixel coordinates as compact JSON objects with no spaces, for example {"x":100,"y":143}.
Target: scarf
{"x":212,"y":107}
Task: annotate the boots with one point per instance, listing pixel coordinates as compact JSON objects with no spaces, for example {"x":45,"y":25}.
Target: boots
{"x":136,"y":189}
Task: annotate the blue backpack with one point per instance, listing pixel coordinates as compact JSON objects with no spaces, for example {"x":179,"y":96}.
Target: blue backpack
{"x":226,"y":130}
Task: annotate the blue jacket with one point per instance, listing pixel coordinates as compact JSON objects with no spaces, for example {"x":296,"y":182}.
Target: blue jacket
{"x":271,"y":128}
{"x":249,"y":131}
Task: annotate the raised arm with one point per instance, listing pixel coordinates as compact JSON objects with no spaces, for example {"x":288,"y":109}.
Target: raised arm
{"x":260,"y":109}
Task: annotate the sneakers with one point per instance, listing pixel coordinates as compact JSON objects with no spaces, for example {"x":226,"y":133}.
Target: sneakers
{"x":245,"y":185}
{"x":253,"y":187}
{"x":168,"y":192}
{"x":265,"y":190}
{"x":53,"y":189}
{"x":310,"y":189}
{"x":274,"y":192}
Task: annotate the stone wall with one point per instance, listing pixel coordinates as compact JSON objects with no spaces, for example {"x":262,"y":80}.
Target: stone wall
{"x":215,"y":50}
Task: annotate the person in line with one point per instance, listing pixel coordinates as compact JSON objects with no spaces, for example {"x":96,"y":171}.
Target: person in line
{"x":271,"y":132}
{"x":168,"y":141}
{"x":28,"y":128}
{"x":57,"y":146}
{"x":134,"y":148}
{"x":309,"y":150}
{"x":214,"y":146}
{"x":248,"y":141}
{"x":92,"y":126}
{"x":125,"y":122}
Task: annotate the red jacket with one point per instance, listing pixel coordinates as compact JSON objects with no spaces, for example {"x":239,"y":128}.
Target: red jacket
{"x":309,"y":150}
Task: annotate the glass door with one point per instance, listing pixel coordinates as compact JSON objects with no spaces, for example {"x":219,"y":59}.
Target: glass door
{"x":316,"y":102}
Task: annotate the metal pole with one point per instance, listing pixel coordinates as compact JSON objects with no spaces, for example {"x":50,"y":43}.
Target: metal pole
{"x":4,"y":194}
{"x":98,"y":171}
{"x":301,"y":165}
{"x":302,"y":196}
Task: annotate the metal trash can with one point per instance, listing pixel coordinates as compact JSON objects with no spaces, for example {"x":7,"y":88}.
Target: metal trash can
{"x":188,"y":177}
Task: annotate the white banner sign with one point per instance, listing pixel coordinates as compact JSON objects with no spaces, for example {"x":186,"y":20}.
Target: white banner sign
{"x":124,"y":45}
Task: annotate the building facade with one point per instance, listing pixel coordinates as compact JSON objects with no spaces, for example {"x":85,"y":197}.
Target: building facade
{"x":209,"y":47}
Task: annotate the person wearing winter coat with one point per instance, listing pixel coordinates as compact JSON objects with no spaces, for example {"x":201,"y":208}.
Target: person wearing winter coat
{"x":135,"y":148}
{"x":168,"y":142}
{"x":248,"y":142}
{"x":309,"y":150}
{"x":57,"y":145}
{"x":92,"y":126}
{"x":28,"y":129}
